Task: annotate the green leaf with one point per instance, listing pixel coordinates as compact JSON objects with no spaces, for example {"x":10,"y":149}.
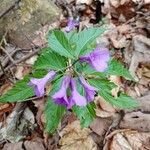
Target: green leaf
{"x":123,"y":101}
{"x":85,"y":37}
{"x":59,"y":43}
{"x":50,"y":60}
{"x":116,"y":68}
{"x":53,"y":115}
{"x":20,"y":92}
{"x":85,"y":114}
{"x":53,"y":112}
{"x":102,"y":84}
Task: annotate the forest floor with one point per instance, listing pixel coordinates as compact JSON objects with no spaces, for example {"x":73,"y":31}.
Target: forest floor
{"x":127,"y":34}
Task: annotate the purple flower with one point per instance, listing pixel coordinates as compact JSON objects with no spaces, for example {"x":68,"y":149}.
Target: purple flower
{"x":60,"y":97}
{"x":71,"y":24}
{"x":89,"y":90}
{"x":76,"y":98}
{"x":97,"y":59}
{"x":39,"y":84}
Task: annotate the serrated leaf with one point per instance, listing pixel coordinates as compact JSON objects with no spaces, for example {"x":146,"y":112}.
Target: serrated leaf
{"x":53,"y":115}
{"x":116,"y":68}
{"x":85,"y":37}
{"x":50,"y":60}
{"x":53,"y":112}
{"x":20,"y":92}
{"x":58,"y":42}
{"x":85,"y":114}
{"x":102,"y":84}
{"x":123,"y":101}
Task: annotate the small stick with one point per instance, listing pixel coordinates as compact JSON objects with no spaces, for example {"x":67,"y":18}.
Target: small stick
{"x":9,"y":56}
{"x":21,"y":60}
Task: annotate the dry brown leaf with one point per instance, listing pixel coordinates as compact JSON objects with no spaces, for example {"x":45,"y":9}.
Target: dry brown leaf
{"x":87,"y":2}
{"x":117,"y":81}
{"x":13,"y":146}
{"x":36,"y":144}
{"x":73,"y":137}
{"x":5,"y":87}
{"x":21,"y":71}
{"x":101,"y":125}
{"x":129,"y":140}
{"x":106,"y":106}
{"x":40,"y":103}
{"x":136,"y":120}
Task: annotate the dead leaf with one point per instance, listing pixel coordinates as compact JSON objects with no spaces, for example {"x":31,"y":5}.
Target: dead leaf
{"x":36,"y":144}
{"x":101,"y":125}
{"x":136,"y":120}
{"x":18,"y":124}
{"x":73,"y":137}
{"x":13,"y":146}
{"x":117,"y":81}
{"x":5,"y":87}
{"x":87,"y":2}
{"x":129,"y":140}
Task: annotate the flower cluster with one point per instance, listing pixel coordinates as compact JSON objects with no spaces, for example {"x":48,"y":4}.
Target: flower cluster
{"x":97,"y":59}
{"x":61,"y":97}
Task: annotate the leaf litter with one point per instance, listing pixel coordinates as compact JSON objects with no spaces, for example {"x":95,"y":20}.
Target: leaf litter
{"x":128,"y":34}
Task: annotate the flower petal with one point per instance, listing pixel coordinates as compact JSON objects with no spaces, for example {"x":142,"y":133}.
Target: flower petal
{"x":97,"y":59}
{"x":76,"y":97}
{"x":71,"y":24}
{"x":39,"y":84}
{"x":60,"y":97}
{"x":90,"y":91}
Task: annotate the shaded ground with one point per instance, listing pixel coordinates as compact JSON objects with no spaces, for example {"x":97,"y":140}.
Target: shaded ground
{"x":128,"y":24}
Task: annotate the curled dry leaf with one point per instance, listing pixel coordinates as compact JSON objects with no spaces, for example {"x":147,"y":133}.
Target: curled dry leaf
{"x":128,"y":139}
{"x":13,"y":146}
{"x":101,"y":125}
{"x":103,"y":108}
{"x":136,"y":120}
{"x":87,"y":2}
{"x":18,"y":124}
{"x":117,"y":81}
{"x":73,"y":137}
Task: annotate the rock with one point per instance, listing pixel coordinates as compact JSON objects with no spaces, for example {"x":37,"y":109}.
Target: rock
{"x":27,"y":17}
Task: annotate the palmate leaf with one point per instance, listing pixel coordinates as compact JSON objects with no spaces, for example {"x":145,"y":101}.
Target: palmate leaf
{"x":20,"y":92}
{"x":53,"y":112}
{"x":85,"y":37}
{"x":85,"y":114}
{"x":116,"y":68}
{"x":59,"y":43}
{"x":123,"y":101}
{"x":50,"y":60}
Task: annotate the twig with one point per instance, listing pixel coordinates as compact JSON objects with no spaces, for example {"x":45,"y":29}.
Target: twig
{"x":4,"y":72}
{"x":21,"y":60}
{"x":9,"y":9}
{"x":1,"y":42}
{"x":9,"y":56}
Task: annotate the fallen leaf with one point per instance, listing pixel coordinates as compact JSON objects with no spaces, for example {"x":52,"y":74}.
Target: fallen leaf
{"x":87,"y":2}
{"x":128,"y":140}
{"x":101,"y":125}
{"x":73,"y":137}
{"x":36,"y":144}
{"x":13,"y":146}
{"x":136,"y":120}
